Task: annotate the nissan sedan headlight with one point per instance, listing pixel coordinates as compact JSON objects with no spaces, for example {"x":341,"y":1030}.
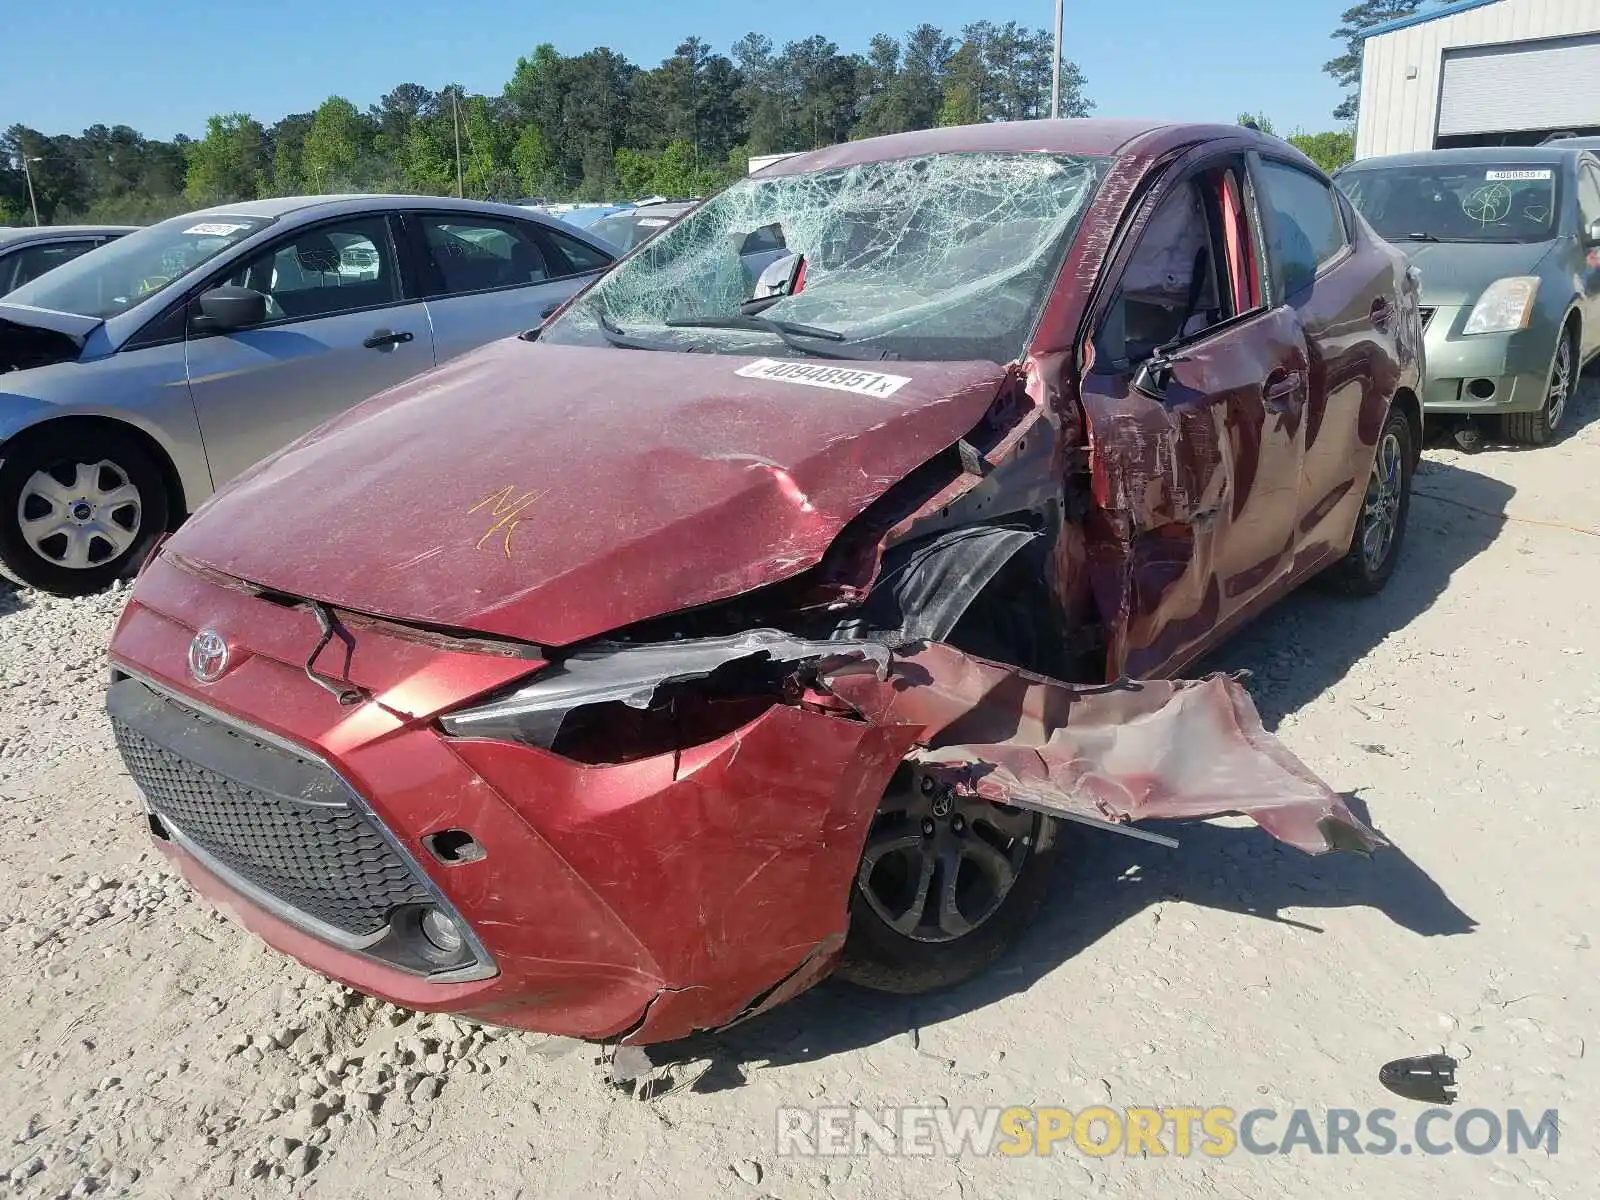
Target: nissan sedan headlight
{"x":1506,"y":305}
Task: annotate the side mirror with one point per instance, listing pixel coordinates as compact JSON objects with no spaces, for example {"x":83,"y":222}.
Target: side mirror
{"x":231,"y":307}
{"x":783,"y":277}
{"x":1591,"y":235}
{"x":1154,"y":374}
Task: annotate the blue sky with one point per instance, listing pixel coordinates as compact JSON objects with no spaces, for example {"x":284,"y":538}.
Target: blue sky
{"x":163,"y":68}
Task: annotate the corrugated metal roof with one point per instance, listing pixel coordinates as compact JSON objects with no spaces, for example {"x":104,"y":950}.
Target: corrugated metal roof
{"x":1432,"y":14}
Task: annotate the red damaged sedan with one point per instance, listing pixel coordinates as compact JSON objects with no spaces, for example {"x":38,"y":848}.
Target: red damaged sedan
{"x":769,"y":610}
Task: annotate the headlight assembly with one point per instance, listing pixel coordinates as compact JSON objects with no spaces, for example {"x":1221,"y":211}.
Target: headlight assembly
{"x":1506,"y":305}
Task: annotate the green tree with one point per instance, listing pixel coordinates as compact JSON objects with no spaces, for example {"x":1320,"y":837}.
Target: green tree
{"x":230,"y":162}
{"x":335,"y":145}
{"x":1260,"y":120}
{"x":1346,"y":67}
{"x":530,"y":157}
{"x":1330,"y":150}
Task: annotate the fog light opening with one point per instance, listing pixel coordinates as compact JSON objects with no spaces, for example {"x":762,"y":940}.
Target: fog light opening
{"x":441,"y":932}
{"x":454,"y":846}
{"x":157,"y":829}
{"x":1482,"y":389}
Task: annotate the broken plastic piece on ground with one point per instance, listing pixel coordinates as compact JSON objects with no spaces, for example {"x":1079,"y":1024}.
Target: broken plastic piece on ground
{"x":1165,"y":749}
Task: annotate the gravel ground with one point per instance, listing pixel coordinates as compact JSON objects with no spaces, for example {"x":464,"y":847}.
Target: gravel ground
{"x":152,"y":1049}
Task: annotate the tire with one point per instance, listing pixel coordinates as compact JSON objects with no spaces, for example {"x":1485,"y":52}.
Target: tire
{"x":1540,"y":428}
{"x":881,"y":957}
{"x":106,"y":494}
{"x":1361,"y":573}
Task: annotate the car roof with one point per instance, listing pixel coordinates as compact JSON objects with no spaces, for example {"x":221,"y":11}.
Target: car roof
{"x":282,"y":206}
{"x":1574,"y":143}
{"x":32,"y":233}
{"x":1095,"y":136}
{"x":1542,"y":156}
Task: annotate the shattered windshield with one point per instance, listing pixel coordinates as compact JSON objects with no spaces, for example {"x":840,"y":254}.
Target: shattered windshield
{"x":1457,"y":202}
{"x":947,"y":256}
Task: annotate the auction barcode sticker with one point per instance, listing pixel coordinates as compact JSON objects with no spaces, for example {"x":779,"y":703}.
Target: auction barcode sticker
{"x":839,"y":379}
{"x":1508,"y":176}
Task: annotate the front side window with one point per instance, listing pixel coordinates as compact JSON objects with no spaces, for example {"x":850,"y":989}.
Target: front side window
{"x":1457,"y":202}
{"x":137,"y":266}
{"x":947,"y":256}
{"x":1308,"y":227}
{"x":1195,"y":266}
{"x":471,"y":254}
{"x":325,"y":270}
{"x":1589,"y":195}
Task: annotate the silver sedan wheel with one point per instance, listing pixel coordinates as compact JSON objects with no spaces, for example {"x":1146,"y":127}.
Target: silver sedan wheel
{"x":1560,"y":383}
{"x":1380,"y":517}
{"x":938,"y":865}
{"x":82,"y":523}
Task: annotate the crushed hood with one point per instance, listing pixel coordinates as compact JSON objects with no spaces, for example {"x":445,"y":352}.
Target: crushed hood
{"x":1457,"y":272}
{"x":552,"y":493}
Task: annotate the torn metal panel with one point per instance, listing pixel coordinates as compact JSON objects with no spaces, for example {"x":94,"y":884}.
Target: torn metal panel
{"x":1124,"y":752}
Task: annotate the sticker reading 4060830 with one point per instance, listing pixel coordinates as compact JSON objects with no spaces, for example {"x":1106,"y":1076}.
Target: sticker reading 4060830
{"x":1509,"y":176}
{"x":839,"y":379}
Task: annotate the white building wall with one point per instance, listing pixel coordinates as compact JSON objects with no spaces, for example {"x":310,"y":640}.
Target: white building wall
{"x":1398,"y":115}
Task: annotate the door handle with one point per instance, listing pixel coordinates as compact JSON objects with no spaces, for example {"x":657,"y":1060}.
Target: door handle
{"x":1282,"y":386}
{"x":381,"y":339}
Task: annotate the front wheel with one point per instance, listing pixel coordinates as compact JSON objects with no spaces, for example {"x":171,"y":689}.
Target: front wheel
{"x":1538,"y":428}
{"x":78,"y":509}
{"x":1381,"y":527}
{"x":946,"y":885}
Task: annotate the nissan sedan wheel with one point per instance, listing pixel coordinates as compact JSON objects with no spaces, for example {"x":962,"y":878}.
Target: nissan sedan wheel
{"x":78,"y":510}
{"x":945,"y":885}
{"x":1538,"y":428}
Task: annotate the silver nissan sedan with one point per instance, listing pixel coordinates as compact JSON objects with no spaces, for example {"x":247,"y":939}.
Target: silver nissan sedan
{"x":144,"y":375}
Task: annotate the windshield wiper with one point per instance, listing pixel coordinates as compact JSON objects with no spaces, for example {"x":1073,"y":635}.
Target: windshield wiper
{"x":790,"y":332}
{"x":1419,"y":237}
{"x":624,"y":340}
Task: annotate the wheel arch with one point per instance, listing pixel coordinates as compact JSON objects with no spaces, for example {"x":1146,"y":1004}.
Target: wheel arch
{"x":1409,"y":404}
{"x":177,"y":506}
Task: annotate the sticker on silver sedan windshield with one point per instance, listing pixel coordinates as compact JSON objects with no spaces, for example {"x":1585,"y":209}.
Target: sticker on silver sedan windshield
{"x":839,"y":379}
{"x":214,"y":229}
{"x":1509,"y":176}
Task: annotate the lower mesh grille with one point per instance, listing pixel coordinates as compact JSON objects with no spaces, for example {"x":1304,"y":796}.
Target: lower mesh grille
{"x":285,"y":824}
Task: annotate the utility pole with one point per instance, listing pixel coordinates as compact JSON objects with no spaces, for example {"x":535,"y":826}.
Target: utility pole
{"x":455,"y":118}
{"x":27,"y":174}
{"x":1055,"y":70}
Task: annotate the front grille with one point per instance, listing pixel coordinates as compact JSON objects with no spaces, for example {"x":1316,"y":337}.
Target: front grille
{"x":1427,"y":315}
{"x":285,"y":824}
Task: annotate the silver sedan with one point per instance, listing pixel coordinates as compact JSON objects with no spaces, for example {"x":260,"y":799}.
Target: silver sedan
{"x":144,"y":375}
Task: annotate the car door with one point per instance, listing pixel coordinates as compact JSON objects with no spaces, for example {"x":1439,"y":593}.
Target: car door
{"x":1588,"y":215}
{"x":343,"y":323}
{"x":1195,"y":397}
{"x":488,"y":277}
{"x":1345,"y":298}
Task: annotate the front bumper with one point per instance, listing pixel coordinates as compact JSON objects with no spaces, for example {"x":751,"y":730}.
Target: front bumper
{"x":647,"y":899}
{"x":1484,"y":372}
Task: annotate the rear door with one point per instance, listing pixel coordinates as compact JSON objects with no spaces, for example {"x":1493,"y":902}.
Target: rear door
{"x":342,"y":324}
{"x":1195,"y":396}
{"x":1346,"y":299}
{"x":489,"y":277}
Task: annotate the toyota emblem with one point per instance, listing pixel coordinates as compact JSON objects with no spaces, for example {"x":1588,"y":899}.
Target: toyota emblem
{"x":208,"y":656}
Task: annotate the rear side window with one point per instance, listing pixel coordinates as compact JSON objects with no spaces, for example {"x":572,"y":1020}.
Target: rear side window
{"x":1308,"y":227}
{"x":472,"y":254}
{"x":580,"y":256}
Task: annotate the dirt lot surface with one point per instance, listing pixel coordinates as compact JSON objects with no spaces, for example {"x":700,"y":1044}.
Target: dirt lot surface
{"x":148,"y":1048}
